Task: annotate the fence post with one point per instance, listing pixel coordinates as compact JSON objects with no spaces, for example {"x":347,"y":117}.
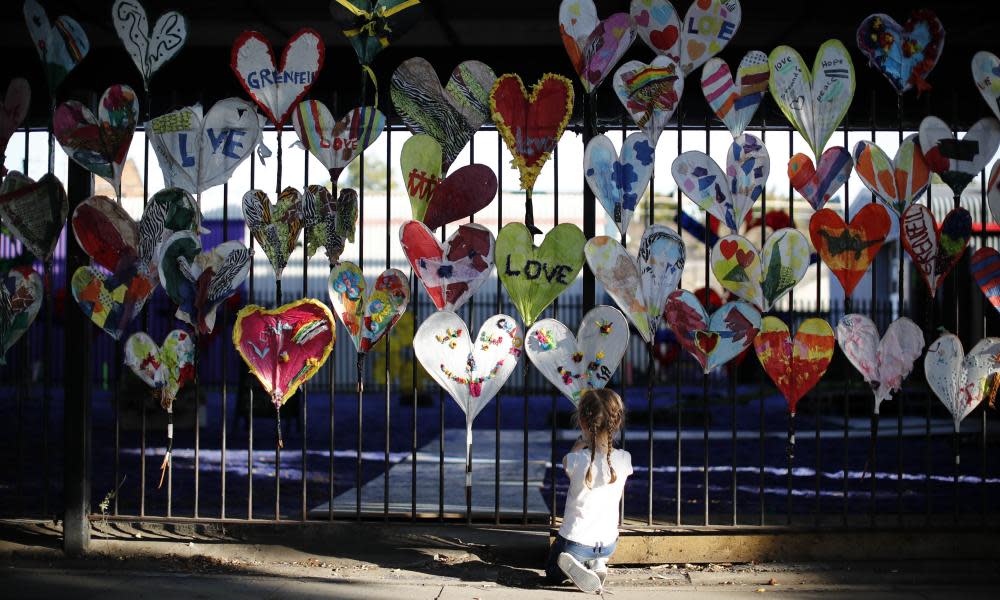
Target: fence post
{"x":589,"y":216}
{"x":76,"y":386}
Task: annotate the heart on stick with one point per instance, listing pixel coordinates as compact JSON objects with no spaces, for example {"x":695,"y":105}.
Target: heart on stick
{"x":817,"y":186}
{"x":639,"y":285}
{"x":935,"y":251}
{"x":618,"y":180}
{"x":420,"y":163}
{"x":848,"y":250}
{"x":895,"y":182}
{"x":330,"y":222}
{"x":336,"y":143}
{"x":61,"y":46}
{"x":905,"y":53}
{"x":450,"y":114}
{"x":367,"y":314}
{"x":21,"y":295}
{"x":650,"y":93}
{"x":275,"y":227}
{"x":581,"y":362}
{"x":711,"y":341}
{"x":735,"y":102}
{"x":961,"y":381}
{"x":761,"y":278}
{"x":883,"y":363}
{"x":99,"y":143}
{"x":450,"y":271}
{"x":34,"y":212}
{"x":371,"y":25}
{"x":460,"y":195}
{"x":795,"y":365}
{"x":278,"y":88}
{"x":594,"y":46}
{"x":986,"y":74}
{"x":12,"y":113}
{"x":708,"y":26}
{"x":814,"y":102}
{"x":958,"y":161}
{"x":148,"y":50}
{"x":535,"y":275}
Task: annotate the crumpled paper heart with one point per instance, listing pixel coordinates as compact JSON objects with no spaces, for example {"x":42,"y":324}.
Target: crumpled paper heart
{"x":367,"y":315}
{"x":639,"y":285}
{"x":336,"y":143}
{"x":450,"y":114}
{"x":986,"y":74}
{"x":168,"y":211}
{"x":278,"y":88}
{"x":735,"y":102}
{"x":450,"y":271}
{"x":420,"y":163}
{"x":21,"y":294}
{"x":371,"y":25}
{"x":761,"y":280}
{"x":581,"y":362}
{"x":60,"y":46}
{"x":330,"y":222}
{"x":905,"y":53}
{"x":817,"y":186}
{"x":895,"y":182}
{"x":958,"y":161}
{"x":106,"y":232}
{"x":594,"y":46}
{"x":275,"y":227}
{"x":935,"y":252}
{"x":708,"y":26}
{"x":961,"y":381}
{"x":99,"y":143}
{"x":461,"y":195}
{"x":650,"y":93}
{"x":34,"y":212}
{"x":148,"y":50}
{"x":165,"y":368}
{"x":885,"y":363}
{"x":795,"y":365}
{"x":13,"y":111}
{"x":848,"y":249}
{"x":618,"y":180}
{"x":712,"y":342}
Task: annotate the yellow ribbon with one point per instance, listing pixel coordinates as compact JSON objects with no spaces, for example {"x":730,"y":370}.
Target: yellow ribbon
{"x":371,"y":17}
{"x":371,"y":75}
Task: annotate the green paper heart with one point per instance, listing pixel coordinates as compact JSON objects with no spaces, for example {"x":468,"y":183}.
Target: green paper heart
{"x":535,"y":275}
{"x":420,"y":161}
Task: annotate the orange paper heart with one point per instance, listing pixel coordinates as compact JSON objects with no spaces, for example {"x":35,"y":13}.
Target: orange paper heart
{"x":848,"y":249}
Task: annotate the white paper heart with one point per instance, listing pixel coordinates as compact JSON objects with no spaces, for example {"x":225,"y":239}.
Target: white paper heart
{"x":961,"y":381}
{"x":61,"y":46}
{"x":708,"y":26}
{"x":149,"y":50}
{"x":761,"y":278}
{"x":735,"y":102}
{"x":619,"y":180}
{"x":986,"y":74}
{"x":336,"y":143}
{"x":650,"y":93}
{"x":884,"y":363}
{"x":594,"y":45}
{"x":958,"y":161}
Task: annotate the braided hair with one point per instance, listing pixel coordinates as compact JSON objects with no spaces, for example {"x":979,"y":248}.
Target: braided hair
{"x":602,"y":412}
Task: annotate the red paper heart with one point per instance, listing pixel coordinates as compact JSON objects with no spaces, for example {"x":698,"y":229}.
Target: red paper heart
{"x":848,"y":250}
{"x":450,"y":278}
{"x":706,"y":340}
{"x":728,"y":248}
{"x":461,"y":195}
{"x":664,"y":39}
{"x":744,"y":258}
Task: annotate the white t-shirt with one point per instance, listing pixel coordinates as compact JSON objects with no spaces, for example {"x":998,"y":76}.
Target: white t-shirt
{"x":591,"y":515}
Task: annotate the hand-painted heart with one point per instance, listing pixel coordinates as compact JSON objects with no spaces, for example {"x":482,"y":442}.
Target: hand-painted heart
{"x":848,"y":250}
{"x":985,"y":267}
{"x":727,"y":196}
{"x":986,"y":74}
{"x":275,"y":229}
{"x":330,"y":222}
{"x":959,"y":380}
{"x":897,"y":182}
{"x":639,"y":285}
{"x":884,"y":363}
{"x":905,"y":53}
{"x":100,"y":144}
{"x":935,"y":252}
{"x":278,"y":88}
{"x":199,"y":281}
{"x":371,"y":25}
{"x":461,"y":195}
{"x":742,"y":270}
{"x":367,"y":316}
{"x":34,"y":212}
{"x":618,"y":181}
{"x":958,"y":161}
{"x":708,"y":27}
{"x":735,"y":102}
{"x":21,"y":295}
{"x":13,"y":111}
{"x":813,"y":102}
{"x":581,"y":362}
{"x":196,"y":153}
{"x":149,"y":51}
{"x":61,"y":46}
{"x":818,"y":186}
{"x":166,"y":368}
{"x":112,"y":301}
{"x":450,"y":114}
{"x":336,"y":143}
{"x":420,"y":162}
{"x":594,"y":46}
{"x":650,"y":93}
{"x":796,"y":364}
{"x":993,"y":192}
{"x":535,"y":275}
{"x":712,"y":342}
{"x":451,"y":271}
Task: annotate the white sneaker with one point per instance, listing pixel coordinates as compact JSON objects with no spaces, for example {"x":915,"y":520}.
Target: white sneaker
{"x":582,"y":577}
{"x":600,"y":567}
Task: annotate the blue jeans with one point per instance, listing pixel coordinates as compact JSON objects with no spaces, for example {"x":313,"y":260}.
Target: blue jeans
{"x":554,"y":575}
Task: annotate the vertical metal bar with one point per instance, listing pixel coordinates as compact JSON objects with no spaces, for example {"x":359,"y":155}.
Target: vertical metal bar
{"x":760,"y":374}
{"x":469,"y":319}
{"x":791,"y":303}
{"x":223,"y":405}
{"x":361,"y":357}
{"x":553,"y":396}
{"x":677,"y":368}
{"x":388,"y":340}
{"x":304,"y":405}
{"x":983,"y":486}
{"x":416,"y":396}
{"x":901,"y":291}
{"x":250,"y":384}
{"x":651,"y":366}
{"x":497,"y":400}
{"x":589,"y":213}
{"x":704,"y":376}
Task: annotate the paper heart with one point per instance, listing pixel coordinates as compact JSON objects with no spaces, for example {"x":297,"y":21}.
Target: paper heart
{"x":650,"y":93}
{"x":594,"y":46}
{"x":884,"y":363}
{"x":99,"y":143}
{"x":729,"y":332}
{"x":986,"y":74}
{"x":581,"y":362}
{"x":958,"y":161}
{"x":993,"y":192}
{"x":905,"y":53}
{"x":535,"y":275}
{"x":985,"y":267}
{"x":21,"y":295}
{"x":961,"y":380}
{"x":112,"y":301}
{"x":795,"y":365}
{"x":895,"y":182}
{"x":199,"y":281}
{"x":461,"y":195}
{"x":639,"y":285}
{"x":330,"y":222}
{"x":367,"y":315}
{"x":735,"y":102}
{"x":848,"y":249}
{"x":275,"y":227}
{"x":105,"y":232}
{"x":935,"y":251}
{"x":60,"y":46}
{"x":708,"y":26}
{"x":167,"y":211}
{"x":420,"y":162}
{"x":450,"y":271}
{"x":166,"y":368}
{"x":34,"y":212}
{"x":727,"y":196}
{"x":336,"y":143}
{"x":197,"y":153}
{"x":618,"y":181}
{"x":450,"y":114}
{"x":472,"y":369}
{"x":149,"y":50}
{"x":371,"y":25}
{"x":278,"y":88}
{"x":762,"y":282}
{"x":15,"y":108}
{"x":814,"y":102}
{"x":817,"y":186}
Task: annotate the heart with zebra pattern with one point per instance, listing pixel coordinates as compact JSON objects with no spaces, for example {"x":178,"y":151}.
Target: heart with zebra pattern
{"x":21,"y":293}
{"x":336,"y":142}
{"x":275,"y":227}
{"x":330,"y":222}
{"x":818,"y":185}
